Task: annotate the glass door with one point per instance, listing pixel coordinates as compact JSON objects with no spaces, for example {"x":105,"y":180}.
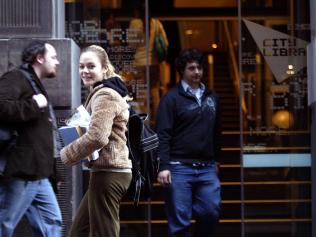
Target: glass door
{"x":275,"y":128}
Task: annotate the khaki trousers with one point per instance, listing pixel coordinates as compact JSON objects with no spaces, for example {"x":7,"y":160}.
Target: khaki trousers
{"x":98,"y":213}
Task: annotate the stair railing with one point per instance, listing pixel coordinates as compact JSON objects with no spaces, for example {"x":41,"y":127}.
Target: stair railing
{"x":234,"y":66}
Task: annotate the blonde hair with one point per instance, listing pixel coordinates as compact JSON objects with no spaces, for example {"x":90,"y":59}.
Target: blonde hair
{"x":104,"y":59}
{"x":105,"y":62}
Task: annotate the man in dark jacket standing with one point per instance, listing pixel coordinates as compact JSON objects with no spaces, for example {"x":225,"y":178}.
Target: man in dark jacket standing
{"x":24,"y":187}
{"x":189,"y":133}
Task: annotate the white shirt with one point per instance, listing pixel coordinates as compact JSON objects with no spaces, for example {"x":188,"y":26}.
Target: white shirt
{"x":197,"y":93}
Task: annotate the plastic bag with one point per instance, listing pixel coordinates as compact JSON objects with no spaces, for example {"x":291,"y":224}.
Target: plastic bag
{"x":80,"y":119}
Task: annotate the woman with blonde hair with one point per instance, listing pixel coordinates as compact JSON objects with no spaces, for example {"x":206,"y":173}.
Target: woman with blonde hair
{"x":110,"y":176}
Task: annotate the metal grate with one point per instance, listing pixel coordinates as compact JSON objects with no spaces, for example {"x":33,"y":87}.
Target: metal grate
{"x":19,"y":13}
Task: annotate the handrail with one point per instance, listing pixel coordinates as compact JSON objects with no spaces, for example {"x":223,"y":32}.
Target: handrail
{"x":234,"y":64}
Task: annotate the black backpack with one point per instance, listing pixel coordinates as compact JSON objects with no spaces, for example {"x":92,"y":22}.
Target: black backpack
{"x":142,"y":142}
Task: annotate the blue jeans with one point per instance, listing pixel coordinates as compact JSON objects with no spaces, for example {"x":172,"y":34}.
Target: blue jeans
{"x":192,"y":190}
{"x":35,"y":199}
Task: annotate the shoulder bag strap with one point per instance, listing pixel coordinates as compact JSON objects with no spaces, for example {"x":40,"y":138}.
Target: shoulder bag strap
{"x":56,"y":135}
{"x":31,"y":81}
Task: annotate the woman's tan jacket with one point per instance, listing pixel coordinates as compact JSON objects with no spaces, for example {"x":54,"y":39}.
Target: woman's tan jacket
{"x":109,"y":116}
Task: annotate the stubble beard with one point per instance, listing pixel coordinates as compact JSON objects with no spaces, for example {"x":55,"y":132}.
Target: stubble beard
{"x":51,"y":75}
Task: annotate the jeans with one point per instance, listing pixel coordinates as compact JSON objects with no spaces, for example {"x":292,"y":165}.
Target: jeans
{"x":35,"y":199}
{"x":192,"y":190}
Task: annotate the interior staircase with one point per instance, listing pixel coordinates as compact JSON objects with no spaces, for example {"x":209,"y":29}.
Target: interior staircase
{"x":230,"y":220}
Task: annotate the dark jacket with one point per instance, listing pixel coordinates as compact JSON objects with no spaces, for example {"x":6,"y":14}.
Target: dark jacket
{"x":32,"y":158}
{"x":188,"y":132}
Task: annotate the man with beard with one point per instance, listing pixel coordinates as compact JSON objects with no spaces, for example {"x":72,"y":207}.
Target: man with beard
{"x":188,"y":127}
{"x":24,"y":187}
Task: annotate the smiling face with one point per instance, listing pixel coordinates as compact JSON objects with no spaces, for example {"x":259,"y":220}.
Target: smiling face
{"x":90,"y":68}
{"x":193,"y":73}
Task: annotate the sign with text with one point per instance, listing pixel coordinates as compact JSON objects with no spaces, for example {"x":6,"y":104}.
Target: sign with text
{"x":285,"y":55}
